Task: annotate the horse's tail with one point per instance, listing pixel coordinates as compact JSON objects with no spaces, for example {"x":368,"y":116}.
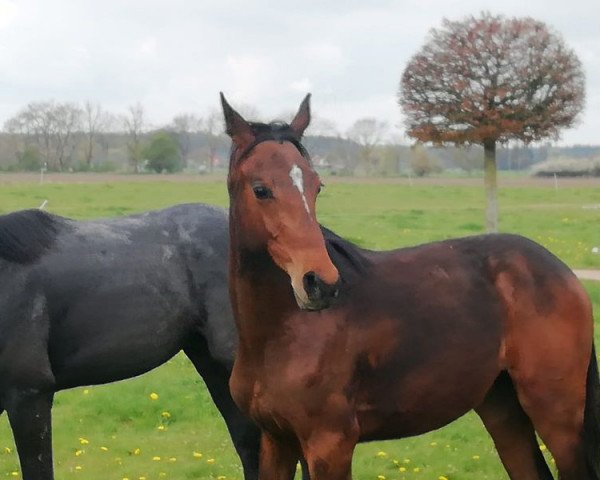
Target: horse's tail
{"x":591,"y":419}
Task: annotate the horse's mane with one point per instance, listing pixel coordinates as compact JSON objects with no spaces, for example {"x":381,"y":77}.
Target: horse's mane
{"x":27,"y":234}
{"x":278,"y":131}
{"x":347,"y":257}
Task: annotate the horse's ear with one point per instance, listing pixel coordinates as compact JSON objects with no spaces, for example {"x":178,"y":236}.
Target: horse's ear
{"x":235,"y":126}
{"x":302,"y":118}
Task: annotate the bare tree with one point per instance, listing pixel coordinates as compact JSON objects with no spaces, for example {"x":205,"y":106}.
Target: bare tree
{"x":95,"y":122}
{"x":134,"y":123}
{"x":368,"y":133}
{"x":184,"y":125}
{"x":323,"y":127}
{"x":213,"y":127}
{"x":50,"y":127}
{"x":489,"y":79}
{"x":67,"y":120}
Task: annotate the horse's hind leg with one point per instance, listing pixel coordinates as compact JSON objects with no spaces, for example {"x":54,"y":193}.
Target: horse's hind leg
{"x":512,"y":432}
{"x":555,"y":403}
{"x":549,"y":376}
{"x":29,"y":413}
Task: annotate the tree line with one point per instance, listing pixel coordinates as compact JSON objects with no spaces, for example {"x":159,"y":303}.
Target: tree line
{"x":63,"y":136}
{"x":66,"y":136}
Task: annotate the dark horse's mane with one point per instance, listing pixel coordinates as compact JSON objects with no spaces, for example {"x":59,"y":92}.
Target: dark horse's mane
{"x":347,"y":257}
{"x":27,"y":234}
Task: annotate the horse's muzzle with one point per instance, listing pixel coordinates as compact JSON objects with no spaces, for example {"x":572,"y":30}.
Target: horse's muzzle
{"x":320,"y":294}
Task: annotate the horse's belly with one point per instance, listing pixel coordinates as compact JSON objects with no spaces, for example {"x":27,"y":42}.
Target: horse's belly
{"x":82,"y":354}
{"x":425,"y":399}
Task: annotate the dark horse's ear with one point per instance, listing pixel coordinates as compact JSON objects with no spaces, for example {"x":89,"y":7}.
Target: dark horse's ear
{"x":235,"y":126}
{"x":302,"y":118}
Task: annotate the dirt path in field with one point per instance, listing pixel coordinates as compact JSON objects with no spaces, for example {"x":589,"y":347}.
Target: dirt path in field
{"x":13,"y":178}
{"x":588,"y":274}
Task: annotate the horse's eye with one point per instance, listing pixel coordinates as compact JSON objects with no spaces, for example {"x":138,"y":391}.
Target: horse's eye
{"x":262,"y":193}
{"x":321,"y":185}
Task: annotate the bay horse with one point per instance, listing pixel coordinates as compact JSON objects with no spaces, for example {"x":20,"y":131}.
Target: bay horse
{"x":339,"y":345}
{"x":93,"y":302}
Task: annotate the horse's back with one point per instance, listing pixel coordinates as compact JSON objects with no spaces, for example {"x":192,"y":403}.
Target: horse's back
{"x":134,"y":287}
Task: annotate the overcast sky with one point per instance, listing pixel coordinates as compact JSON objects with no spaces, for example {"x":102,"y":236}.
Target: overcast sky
{"x":176,"y":56}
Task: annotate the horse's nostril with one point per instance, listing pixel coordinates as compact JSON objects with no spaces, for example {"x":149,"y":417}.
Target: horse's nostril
{"x":311,"y":282}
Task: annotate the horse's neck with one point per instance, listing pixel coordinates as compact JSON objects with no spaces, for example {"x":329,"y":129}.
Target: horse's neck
{"x":261,"y":293}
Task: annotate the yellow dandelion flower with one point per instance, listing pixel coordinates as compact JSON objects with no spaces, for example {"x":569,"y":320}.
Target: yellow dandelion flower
{"x":380,"y":477}
{"x":84,"y":441}
{"x":197,"y":455}
{"x":78,"y":453}
{"x":542,"y":447}
{"x":221,"y":477}
{"x":416,"y":469}
{"x":137,"y":451}
{"x":172,"y":459}
{"x":476,"y":457}
{"x":381,"y":454}
{"x":7,"y":450}
{"x":433,"y":444}
{"x":396,"y":462}
{"x":86,"y":391}
{"x":154,"y":396}
{"x":402,"y":469}
{"x":14,"y":474}
{"x":156,"y":459}
{"x":165,"y":415}
{"x":442,"y":477}
{"x":211,"y":461}
{"x":104,"y":449}
{"x":141,"y":478}
{"x":78,"y":468}
{"x":161,"y":427}
{"x":125,"y":478}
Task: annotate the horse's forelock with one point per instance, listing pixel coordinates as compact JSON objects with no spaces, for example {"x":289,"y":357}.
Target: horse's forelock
{"x":278,"y":131}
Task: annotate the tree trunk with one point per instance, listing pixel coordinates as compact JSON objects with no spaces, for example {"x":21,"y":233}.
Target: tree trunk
{"x":490,"y":183}
{"x":89,"y":151}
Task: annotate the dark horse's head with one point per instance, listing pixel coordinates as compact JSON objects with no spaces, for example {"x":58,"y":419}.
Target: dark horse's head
{"x":272,"y":190}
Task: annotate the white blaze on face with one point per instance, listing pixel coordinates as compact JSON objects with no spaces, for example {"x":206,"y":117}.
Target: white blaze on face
{"x":298,"y":181}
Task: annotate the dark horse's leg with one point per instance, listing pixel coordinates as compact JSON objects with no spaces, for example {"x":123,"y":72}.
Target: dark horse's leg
{"x":30,"y":420}
{"x":244,"y":433}
{"x":512,"y":432}
{"x":27,"y":383}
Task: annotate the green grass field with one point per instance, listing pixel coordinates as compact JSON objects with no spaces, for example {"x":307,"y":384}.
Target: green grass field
{"x":122,"y":431}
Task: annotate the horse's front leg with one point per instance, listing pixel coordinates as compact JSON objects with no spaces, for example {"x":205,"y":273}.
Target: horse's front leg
{"x":29,"y":413}
{"x":278,"y":459}
{"x":328,"y":452}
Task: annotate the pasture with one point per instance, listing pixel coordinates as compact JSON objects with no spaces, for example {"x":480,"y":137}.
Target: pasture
{"x":164,"y":426}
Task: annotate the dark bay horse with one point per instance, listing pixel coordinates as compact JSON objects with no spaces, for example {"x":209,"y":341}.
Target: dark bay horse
{"x":93,"y":302}
{"x":340,"y":345}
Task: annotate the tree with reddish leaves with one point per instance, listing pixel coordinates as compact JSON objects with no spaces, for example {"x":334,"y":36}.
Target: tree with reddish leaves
{"x":487,"y":80}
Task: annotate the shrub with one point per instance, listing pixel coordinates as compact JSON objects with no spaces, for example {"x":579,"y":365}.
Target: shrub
{"x":567,"y":167}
